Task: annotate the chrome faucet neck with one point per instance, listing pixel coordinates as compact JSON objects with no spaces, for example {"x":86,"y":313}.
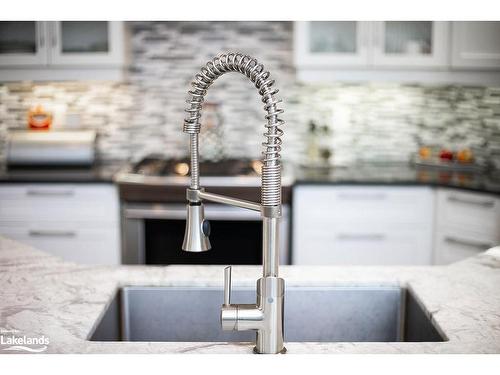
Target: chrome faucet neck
{"x":266,"y":316}
{"x":261,"y":78}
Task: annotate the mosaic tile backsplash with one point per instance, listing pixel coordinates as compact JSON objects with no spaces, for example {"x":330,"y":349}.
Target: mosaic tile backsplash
{"x":382,"y":122}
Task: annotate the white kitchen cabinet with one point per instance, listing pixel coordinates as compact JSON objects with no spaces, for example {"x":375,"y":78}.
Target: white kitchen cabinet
{"x":77,"y":222}
{"x":62,"y":50}
{"x":466,"y":223}
{"x":87,"y":43}
{"x":331,"y":43}
{"x":23,"y":43}
{"x":81,"y":242}
{"x":454,"y":244}
{"x":435,"y":52}
{"x":475,"y":45}
{"x":54,"y":202}
{"x":364,"y":225}
{"x":422,"y":44}
{"x":478,"y":212}
{"x":416,"y":44}
{"x":364,"y":244}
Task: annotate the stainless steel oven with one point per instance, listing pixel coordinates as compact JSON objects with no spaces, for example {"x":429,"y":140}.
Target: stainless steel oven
{"x":153,"y":234}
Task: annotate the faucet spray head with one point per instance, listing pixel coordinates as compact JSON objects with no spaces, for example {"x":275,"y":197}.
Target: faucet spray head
{"x":197,"y":229}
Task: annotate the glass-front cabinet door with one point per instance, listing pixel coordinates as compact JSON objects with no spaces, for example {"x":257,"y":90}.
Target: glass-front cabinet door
{"x":86,"y":42}
{"x":331,"y":43}
{"x":410,"y":43}
{"x":22,"y":43}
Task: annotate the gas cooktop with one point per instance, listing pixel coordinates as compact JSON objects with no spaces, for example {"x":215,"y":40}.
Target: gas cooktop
{"x":158,"y":170}
{"x":158,"y":166}
{"x":159,"y":179}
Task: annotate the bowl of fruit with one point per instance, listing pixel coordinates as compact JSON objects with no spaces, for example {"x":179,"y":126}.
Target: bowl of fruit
{"x":444,"y":157}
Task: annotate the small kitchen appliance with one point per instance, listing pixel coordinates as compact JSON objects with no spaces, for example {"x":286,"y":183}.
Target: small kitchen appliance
{"x":51,"y":148}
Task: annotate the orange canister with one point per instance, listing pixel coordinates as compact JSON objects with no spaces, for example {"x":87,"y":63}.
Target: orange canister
{"x":39,"y":118}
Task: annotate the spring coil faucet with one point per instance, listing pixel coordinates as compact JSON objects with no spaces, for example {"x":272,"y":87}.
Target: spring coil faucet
{"x":266,"y":316}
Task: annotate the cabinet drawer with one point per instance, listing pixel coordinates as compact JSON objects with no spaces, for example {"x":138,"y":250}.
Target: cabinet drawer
{"x":58,"y":202}
{"x":471,"y":211}
{"x":332,"y":204}
{"x":452,"y":245}
{"x":351,"y":245}
{"x":70,"y":241}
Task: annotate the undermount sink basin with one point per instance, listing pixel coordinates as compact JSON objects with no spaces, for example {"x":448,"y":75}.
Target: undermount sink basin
{"x":312,"y":314}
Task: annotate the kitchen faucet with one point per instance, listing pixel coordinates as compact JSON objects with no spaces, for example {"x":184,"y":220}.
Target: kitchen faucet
{"x":266,"y":316}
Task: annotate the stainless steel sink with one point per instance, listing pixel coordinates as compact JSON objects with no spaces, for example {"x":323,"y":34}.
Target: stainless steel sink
{"x":312,"y":314}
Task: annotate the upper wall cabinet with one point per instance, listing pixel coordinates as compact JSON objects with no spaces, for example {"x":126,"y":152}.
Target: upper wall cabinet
{"x":62,"y":50}
{"x":87,"y":43}
{"x":410,"y":44}
{"x":402,"y":51}
{"x":23,"y":43}
{"x":475,"y":45}
{"x":331,"y":43}
{"x":371,"y":44}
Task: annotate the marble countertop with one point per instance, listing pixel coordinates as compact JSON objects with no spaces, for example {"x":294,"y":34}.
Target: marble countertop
{"x":41,"y":295}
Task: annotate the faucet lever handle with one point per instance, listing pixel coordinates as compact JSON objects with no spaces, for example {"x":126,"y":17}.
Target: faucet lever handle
{"x":227,"y":285}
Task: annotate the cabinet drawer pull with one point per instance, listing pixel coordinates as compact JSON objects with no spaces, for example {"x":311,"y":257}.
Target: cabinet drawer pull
{"x":51,"y":193}
{"x":469,"y":243}
{"x":361,"y":237}
{"x":483,"y":203}
{"x":52,"y":233}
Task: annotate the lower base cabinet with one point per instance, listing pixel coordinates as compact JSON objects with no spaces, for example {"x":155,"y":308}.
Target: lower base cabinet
{"x":452,"y":245}
{"x":78,"y":223}
{"x":77,"y":243}
{"x":375,"y":245}
{"x":467,"y":223}
{"x":357,"y":225}
{"x":383,"y":225}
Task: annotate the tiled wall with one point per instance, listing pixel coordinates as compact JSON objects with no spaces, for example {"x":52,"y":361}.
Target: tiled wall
{"x":389,"y":122}
{"x":374,"y":122}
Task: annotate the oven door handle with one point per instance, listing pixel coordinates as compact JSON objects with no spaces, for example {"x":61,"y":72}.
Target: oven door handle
{"x":211,"y":213}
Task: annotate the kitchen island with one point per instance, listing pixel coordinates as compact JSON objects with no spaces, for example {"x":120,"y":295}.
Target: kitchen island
{"x":41,"y":295}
